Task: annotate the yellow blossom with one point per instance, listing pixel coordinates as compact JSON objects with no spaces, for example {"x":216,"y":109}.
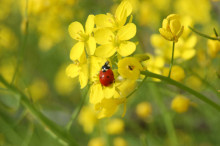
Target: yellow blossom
{"x":155,"y":64}
{"x":171,"y":28}
{"x":107,"y":107}
{"x":143,"y":110}
{"x":194,"y":82}
{"x":177,"y":73}
{"x":184,"y":48}
{"x":85,"y":38}
{"x":180,"y":104}
{"x":110,"y":43}
{"x":213,"y":48}
{"x":38,"y":89}
{"x":116,"y":21}
{"x":98,"y":141}
{"x":115,"y":126}
{"x":78,"y":69}
{"x":118,"y":141}
{"x":87,"y":118}
{"x":129,"y":67}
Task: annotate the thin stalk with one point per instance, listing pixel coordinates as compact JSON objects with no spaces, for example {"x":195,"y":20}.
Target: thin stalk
{"x":183,"y":87}
{"x":165,"y":114}
{"x":23,"y":45}
{"x":50,"y":125}
{"x":204,"y":35}
{"x":216,"y":34}
{"x":78,"y":109}
{"x":171,"y":64}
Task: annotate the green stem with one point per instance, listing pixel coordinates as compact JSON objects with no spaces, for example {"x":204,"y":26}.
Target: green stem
{"x":171,"y":64}
{"x":165,"y":114}
{"x":216,"y":34}
{"x":78,"y":109}
{"x":183,"y":87}
{"x":50,"y":125}
{"x":204,"y":35}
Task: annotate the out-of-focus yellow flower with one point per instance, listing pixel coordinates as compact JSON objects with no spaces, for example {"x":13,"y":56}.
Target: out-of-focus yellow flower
{"x":180,"y":104}
{"x":85,"y":38}
{"x":116,"y":21}
{"x":155,"y":64}
{"x":171,"y":28}
{"x":184,"y":48}
{"x":115,"y":126}
{"x":118,"y":141}
{"x":8,"y":39}
{"x":110,"y":43}
{"x":87,"y":118}
{"x":98,"y":141}
{"x":38,"y":89}
{"x":62,"y":83}
{"x":107,"y":107}
{"x":143,"y":110}
{"x":5,"y":7}
{"x":199,"y":13}
{"x":193,"y":82}
{"x":177,"y":73}
{"x":213,"y":48}
{"x":130,"y":68}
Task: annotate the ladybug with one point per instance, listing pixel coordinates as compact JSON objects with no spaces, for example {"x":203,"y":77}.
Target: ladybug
{"x":106,"y":76}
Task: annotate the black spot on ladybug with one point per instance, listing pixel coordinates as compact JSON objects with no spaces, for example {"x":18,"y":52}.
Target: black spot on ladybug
{"x":112,"y":74}
{"x":107,"y":76}
{"x":111,"y":82}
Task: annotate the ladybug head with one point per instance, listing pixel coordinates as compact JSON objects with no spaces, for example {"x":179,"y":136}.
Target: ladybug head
{"x":106,"y":66}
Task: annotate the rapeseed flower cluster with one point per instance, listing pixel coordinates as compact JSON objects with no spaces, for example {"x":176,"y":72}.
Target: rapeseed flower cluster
{"x":106,"y":38}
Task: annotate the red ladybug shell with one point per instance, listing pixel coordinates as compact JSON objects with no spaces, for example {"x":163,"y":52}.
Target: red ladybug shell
{"x":106,"y":78}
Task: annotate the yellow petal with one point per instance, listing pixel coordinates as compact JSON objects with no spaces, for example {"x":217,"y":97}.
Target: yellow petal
{"x":83,"y":75}
{"x":123,"y":10}
{"x":105,"y":51}
{"x":191,"y":41}
{"x":89,"y":24}
{"x":175,"y":26}
{"x":91,"y":46}
{"x":75,"y":28}
{"x":77,"y":51}
{"x":166,"y":34}
{"x":180,"y":32}
{"x":127,"y":32}
{"x":103,"y":20}
{"x":72,"y":70}
{"x":104,"y":36}
{"x":173,"y":16}
{"x":126,"y":48}
{"x":165,"y":24}
{"x":96,"y":94}
{"x":109,"y":91}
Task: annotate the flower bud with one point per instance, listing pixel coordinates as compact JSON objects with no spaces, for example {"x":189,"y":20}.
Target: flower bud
{"x":171,"y":28}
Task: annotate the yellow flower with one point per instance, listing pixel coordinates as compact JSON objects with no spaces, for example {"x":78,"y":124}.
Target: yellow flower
{"x":180,"y":104}
{"x":213,"y":48}
{"x":155,"y":64}
{"x":85,"y":38}
{"x":171,"y":28}
{"x":78,"y":69}
{"x":107,"y":107}
{"x":193,"y":82}
{"x":130,"y":68}
{"x":118,"y":141}
{"x":184,"y":49}
{"x":110,"y":43}
{"x":87,"y":118}
{"x":115,"y":126}
{"x":116,"y":21}
{"x":38,"y":89}
{"x":143,"y":110}
{"x":98,"y":141}
{"x":177,"y":73}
